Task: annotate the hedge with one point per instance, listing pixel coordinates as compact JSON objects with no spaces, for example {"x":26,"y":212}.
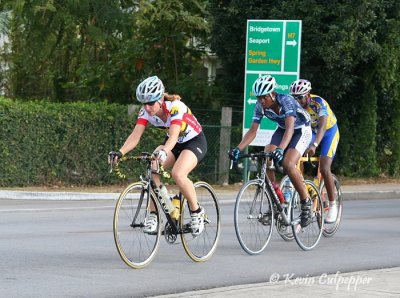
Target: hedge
{"x":50,"y":143}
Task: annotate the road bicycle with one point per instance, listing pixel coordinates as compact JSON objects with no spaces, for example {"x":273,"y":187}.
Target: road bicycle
{"x":258,"y":207}
{"x":136,"y":248}
{"x":329,"y":228}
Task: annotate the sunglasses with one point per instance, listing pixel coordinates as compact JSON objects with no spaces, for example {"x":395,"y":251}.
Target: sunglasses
{"x":152,"y":103}
{"x":300,"y":97}
{"x":263,"y":97}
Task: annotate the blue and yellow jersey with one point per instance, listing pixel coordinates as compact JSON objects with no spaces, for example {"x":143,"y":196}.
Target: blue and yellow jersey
{"x":319,"y":107}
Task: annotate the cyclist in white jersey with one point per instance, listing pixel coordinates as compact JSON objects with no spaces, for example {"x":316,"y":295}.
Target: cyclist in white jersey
{"x":184,"y":147}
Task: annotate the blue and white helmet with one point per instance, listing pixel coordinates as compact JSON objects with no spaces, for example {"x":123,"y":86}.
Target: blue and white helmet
{"x":149,"y":90}
{"x":264,"y":85}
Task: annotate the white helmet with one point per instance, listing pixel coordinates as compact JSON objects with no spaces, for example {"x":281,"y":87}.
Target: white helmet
{"x":264,"y":85}
{"x":149,"y":90}
{"x":300,"y":87}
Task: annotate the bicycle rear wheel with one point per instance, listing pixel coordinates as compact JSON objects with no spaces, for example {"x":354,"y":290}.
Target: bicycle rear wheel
{"x":253,"y":218}
{"x":331,"y":228}
{"x":308,"y":237}
{"x":201,"y":247}
{"x":136,"y":248}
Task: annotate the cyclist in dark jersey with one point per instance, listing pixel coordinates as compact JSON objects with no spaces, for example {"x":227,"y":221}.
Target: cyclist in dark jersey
{"x":290,"y":139}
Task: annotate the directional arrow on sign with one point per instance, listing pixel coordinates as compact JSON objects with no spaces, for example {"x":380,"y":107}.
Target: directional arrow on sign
{"x":291,"y":43}
{"x":251,"y":101}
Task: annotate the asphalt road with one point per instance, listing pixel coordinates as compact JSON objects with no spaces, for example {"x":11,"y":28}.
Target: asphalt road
{"x":66,"y":249}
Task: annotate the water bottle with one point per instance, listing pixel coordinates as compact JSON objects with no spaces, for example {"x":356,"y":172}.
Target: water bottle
{"x":287,"y":190}
{"x":166,"y":200}
{"x":278,"y":192}
{"x":177,"y":206}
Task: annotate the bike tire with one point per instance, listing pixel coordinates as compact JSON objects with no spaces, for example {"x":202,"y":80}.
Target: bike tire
{"x":136,"y":248}
{"x":331,"y":228}
{"x":253,"y":229}
{"x":203,"y":246}
{"x":308,"y":237}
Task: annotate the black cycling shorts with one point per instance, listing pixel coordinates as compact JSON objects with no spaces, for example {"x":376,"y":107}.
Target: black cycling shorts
{"x":198,"y":145}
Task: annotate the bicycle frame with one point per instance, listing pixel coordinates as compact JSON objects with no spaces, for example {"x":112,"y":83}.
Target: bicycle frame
{"x":267,"y":187}
{"x":151,"y":186}
{"x":311,"y":159}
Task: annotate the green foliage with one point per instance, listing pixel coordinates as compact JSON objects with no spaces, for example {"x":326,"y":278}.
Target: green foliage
{"x":86,"y":50}
{"x":49,"y":143}
{"x":96,"y":50}
{"x":349,"y":53}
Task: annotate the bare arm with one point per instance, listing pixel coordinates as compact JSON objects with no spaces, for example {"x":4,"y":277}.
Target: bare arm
{"x":249,"y":136}
{"x":173,"y":132}
{"x":322,"y":122}
{"x":289,"y":131}
{"x":133,"y":139}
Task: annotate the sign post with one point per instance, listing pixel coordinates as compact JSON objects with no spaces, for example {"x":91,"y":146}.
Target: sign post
{"x":272,"y":47}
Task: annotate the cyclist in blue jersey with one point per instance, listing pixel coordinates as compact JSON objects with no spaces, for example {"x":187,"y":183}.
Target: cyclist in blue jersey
{"x":290,"y":139}
{"x":325,"y":135}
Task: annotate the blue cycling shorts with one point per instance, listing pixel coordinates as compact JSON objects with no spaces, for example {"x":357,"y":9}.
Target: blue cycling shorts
{"x":329,"y":142}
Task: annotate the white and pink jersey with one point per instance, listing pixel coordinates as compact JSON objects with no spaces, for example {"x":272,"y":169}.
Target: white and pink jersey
{"x":178,"y":113}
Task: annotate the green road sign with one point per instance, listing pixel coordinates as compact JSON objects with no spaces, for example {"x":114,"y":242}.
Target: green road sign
{"x":272,"y":47}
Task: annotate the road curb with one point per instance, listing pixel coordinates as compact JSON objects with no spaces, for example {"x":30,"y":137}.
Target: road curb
{"x":62,"y":196}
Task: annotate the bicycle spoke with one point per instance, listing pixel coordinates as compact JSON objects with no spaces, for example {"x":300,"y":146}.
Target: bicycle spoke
{"x":135,"y":247}
{"x":308,"y":237}
{"x":202,"y":247}
{"x":253,"y":218}
{"x":331,"y":228}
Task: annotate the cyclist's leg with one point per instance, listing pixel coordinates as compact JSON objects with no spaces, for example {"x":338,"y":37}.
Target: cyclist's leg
{"x":297,"y":146}
{"x":325,"y":169}
{"x":328,"y":149}
{"x":151,"y":221}
{"x":187,"y":156}
{"x":185,"y":163}
{"x":292,"y":156}
{"x":192,"y":152}
{"x":275,"y":141}
{"x":270,"y":173}
{"x":329,"y":145}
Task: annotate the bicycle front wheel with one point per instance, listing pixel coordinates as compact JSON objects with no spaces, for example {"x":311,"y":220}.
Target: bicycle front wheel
{"x":308,"y":237}
{"x":331,"y":228}
{"x":136,"y":248}
{"x":200,"y":248}
{"x":253,"y":218}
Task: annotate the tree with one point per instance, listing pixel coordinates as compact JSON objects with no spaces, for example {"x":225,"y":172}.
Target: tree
{"x":349,"y":53}
{"x":96,"y":50}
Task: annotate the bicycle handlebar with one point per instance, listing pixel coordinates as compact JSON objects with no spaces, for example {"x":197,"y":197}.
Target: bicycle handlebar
{"x":260,"y":154}
{"x":144,"y":156}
